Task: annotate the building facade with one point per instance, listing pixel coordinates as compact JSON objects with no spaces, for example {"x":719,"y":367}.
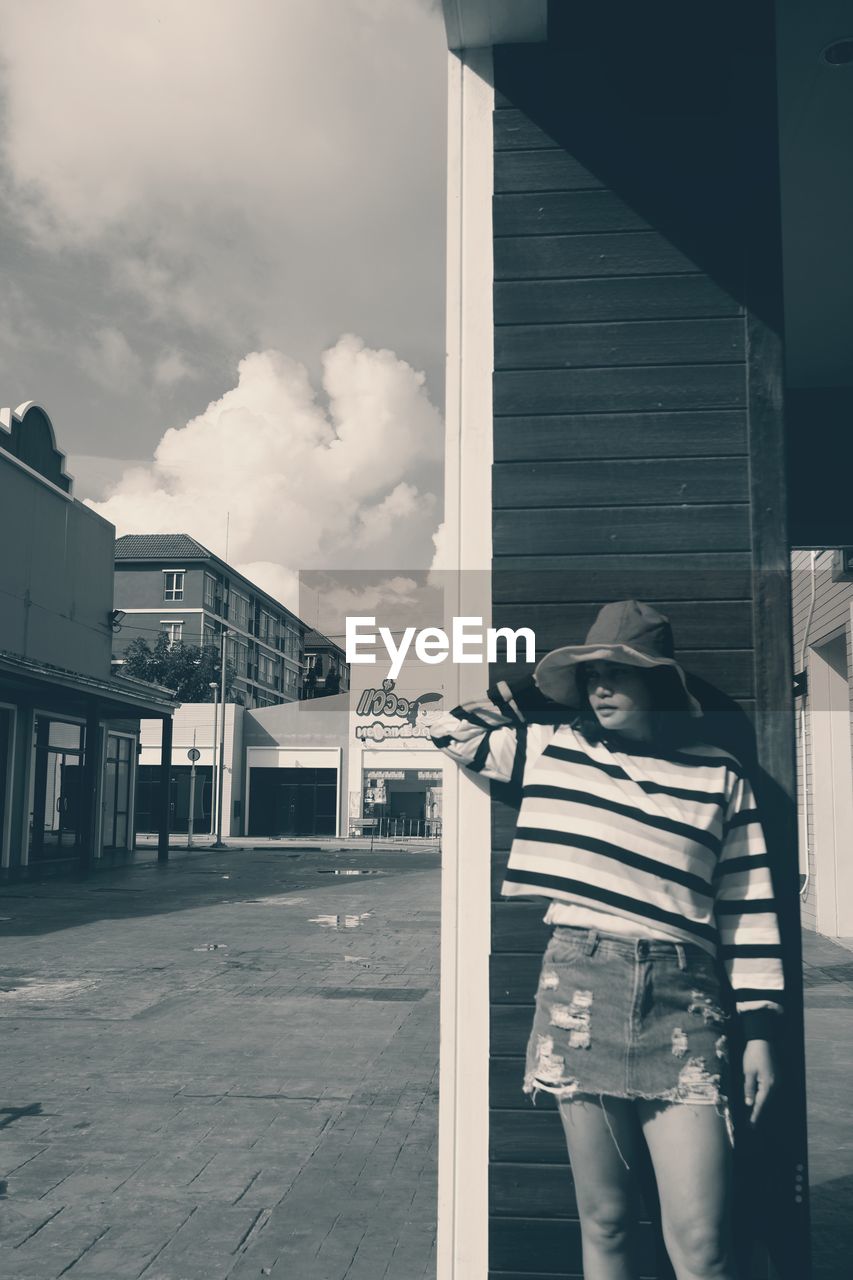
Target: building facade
{"x":823,"y":660}
{"x":331,"y":767}
{"x":69,"y":729}
{"x":326,"y":667}
{"x":170,"y":584}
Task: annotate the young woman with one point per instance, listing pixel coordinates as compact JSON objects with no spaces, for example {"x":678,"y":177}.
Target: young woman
{"x":647,"y":842}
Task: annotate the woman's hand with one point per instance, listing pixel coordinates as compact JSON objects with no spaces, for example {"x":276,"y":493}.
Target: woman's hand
{"x":759,"y":1075}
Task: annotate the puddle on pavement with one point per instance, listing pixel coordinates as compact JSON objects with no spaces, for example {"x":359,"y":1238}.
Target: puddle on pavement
{"x":55,"y":989}
{"x":406,"y":995}
{"x":276,"y":900}
{"x":345,"y":871}
{"x":341,"y":921}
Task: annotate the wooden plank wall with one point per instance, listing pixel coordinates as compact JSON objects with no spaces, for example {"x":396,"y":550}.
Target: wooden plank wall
{"x":621,"y":440}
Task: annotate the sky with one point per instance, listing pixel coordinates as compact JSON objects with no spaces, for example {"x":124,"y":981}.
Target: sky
{"x":222,"y":237}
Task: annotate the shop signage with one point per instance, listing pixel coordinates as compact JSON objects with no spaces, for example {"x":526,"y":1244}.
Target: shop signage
{"x":409,"y":717}
{"x":429,"y":775}
{"x":396,"y":775}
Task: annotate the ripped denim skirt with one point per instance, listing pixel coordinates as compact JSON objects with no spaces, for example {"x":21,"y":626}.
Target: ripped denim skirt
{"x":629,"y":1018}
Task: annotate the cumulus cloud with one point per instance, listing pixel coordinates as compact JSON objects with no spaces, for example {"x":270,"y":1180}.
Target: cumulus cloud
{"x":303,"y":478}
{"x":442,"y":558}
{"x":281,"y":583}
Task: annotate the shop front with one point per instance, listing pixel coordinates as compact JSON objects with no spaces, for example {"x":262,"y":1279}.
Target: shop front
{"x":395,"y":776}
{"x":68,"y":767}
{"x":294,"y":771}
{"x":293,"y":800}
{"x":403,"y":802}
{"x":69,"y":729}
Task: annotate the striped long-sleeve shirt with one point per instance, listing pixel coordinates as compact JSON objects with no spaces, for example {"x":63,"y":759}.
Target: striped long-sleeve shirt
{"x":667,"y":838}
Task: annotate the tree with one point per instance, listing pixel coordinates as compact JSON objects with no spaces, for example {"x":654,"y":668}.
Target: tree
{"x":186,"y":668}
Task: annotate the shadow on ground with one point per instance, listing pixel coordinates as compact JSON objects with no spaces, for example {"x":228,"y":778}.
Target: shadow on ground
{"x":34,"y":908}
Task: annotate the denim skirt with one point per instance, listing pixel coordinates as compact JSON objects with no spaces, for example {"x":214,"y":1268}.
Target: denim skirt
{"x":629,"y":1018}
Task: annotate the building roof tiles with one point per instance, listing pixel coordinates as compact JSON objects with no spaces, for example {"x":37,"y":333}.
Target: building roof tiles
{"x":160,"y":546}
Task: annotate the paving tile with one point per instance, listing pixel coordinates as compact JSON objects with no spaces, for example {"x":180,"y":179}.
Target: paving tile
{"x":217,"y":1112}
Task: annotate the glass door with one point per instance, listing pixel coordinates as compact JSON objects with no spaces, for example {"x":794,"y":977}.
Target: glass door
{"x":56,"y":816}
{"x":5,"y":734}
{"x":118,"y":778}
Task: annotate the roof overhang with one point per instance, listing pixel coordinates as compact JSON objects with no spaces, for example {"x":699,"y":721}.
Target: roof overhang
{"x":474,"y":24}
{"x":117,"y":697}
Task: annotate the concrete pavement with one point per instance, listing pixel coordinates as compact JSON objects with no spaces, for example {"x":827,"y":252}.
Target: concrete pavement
{"x":222,"y":1068}
{"x":828,"y":979}
{"x":227,"y":1067}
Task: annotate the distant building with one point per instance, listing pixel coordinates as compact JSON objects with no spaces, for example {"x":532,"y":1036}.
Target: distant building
{"x":170,"y":583}
{"x":326,"y":667}
{"x":335,"y":766}
{"x":69,"y":729}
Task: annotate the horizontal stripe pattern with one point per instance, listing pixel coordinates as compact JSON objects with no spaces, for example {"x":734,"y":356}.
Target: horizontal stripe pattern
{"x":673,"y":839}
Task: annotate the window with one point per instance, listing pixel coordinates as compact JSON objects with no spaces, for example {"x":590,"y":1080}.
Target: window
{"x":237,"y":655}
{"x":268,"y":670}
{"x":173,"y":584}
{"x":267,"y":629}
{"x":209,"y":638}
{"x":291,"y":644}
{"x":238,"y":609}
{"x":174,"y":631}
{"x":212,"y":597}
{"x":842,"y":564}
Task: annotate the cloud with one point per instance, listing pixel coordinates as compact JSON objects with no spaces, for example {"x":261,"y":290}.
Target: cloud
{"x":216,"y":154}
{"x":442,"y":551}
{"x":95,"y":475}
{"x":275,"y":579}
{"x":171,"y":368}
{"x":109,"y":359}
{"x":343,"y":478}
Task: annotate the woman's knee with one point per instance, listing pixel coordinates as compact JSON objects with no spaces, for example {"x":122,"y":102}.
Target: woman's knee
{"x":606,"y":1223}
{"x":702,"y":1246}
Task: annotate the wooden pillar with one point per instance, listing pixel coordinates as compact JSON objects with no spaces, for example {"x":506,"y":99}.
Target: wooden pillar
{"x":90,"y":790}
{"x":165,"y":791}
{"x":639,"y":452}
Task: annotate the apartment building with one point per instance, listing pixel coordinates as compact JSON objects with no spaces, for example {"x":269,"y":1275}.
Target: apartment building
{"x":326,"y":667}
{"x":170,"y":583}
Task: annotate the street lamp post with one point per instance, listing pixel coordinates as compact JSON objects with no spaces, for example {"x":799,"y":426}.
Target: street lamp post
{"x":215,"y":777}
{"x":220,"y":791}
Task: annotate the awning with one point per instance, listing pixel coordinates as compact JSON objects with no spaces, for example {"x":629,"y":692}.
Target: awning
{"x":118,"y":697}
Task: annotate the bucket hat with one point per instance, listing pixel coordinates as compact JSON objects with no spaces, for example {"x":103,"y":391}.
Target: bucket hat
{"x":626,"y":631}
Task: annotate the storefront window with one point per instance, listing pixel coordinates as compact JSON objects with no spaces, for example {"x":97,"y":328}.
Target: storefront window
{"x":404,"y":802}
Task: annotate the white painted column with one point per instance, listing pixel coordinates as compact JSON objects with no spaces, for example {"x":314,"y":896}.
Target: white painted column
{"x":465,"y":915}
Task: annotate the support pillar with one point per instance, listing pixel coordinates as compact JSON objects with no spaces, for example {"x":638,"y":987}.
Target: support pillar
{"x":90,"y":791}
{"x":165,"y":791}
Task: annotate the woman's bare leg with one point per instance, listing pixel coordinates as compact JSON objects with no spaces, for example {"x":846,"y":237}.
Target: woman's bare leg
{"x":691,"y":1156}
{"x":605,"y":1188}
